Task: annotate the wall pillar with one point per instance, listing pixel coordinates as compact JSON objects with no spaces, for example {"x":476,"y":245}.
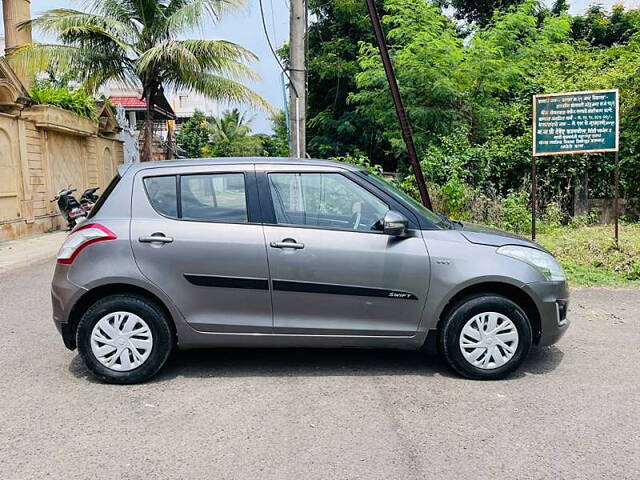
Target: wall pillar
{"x":15,"y":12}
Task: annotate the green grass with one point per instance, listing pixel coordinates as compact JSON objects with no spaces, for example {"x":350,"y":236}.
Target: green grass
{"x":590,"y":258}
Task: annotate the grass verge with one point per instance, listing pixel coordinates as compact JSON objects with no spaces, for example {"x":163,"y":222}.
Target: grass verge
{"x":590,"y":257}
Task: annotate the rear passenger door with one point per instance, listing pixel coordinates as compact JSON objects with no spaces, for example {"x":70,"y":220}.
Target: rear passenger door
{"x":196,"y":234}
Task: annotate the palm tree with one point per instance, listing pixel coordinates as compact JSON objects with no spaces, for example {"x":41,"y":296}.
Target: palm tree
{"x":233,"y":125}
{"x":230,"y":137}
{"x":134,"y":42}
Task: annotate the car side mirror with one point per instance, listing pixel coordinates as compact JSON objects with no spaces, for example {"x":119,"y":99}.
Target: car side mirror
{"x":395,"y":224}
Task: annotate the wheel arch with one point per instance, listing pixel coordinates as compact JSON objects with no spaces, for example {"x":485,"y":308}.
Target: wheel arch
{"x":503,"y":289}
{"x":97,"y":293}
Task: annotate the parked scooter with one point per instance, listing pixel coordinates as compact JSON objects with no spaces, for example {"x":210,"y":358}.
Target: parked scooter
{"x":69,"y":207}
{"x":88,"y":199}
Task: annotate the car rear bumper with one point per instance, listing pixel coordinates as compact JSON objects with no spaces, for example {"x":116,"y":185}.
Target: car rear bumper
{"x":552,"y":300}
{"x":64,"y":295}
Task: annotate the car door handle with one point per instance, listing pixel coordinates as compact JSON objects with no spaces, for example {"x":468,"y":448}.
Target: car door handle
{"x":155,"y":238}
{"x":287,"y":244}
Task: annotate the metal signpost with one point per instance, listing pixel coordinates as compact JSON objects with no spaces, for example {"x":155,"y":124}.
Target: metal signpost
{"x":571,"y":123}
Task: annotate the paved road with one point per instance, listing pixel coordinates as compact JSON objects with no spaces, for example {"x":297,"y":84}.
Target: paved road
{"x":573,"y":412}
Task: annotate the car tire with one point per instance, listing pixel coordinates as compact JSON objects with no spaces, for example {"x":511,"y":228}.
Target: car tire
{"x":135,"y":323}
{"x":477,"y":351}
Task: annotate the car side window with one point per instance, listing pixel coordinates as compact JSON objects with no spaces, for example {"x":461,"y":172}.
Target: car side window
{"x":325,"y":200}
{"x":219,"y":197}
{"x":162,"y":193}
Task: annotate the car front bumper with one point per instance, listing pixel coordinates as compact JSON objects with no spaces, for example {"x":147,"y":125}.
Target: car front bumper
{"x":552,"y":300}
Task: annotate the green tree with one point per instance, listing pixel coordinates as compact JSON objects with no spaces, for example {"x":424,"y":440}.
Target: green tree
{"x":559,"y":7}
{"x":230,"y":126}
{"x":600,"y":28}
{"x":469,"y":101}
{"x":138,"y":43}
{"x":277,"y":144}
{"x":468,"y":98}
{"x":478,"y":12}
{"x":427,"y":53}
{"x":335,"y":127}
{"x":230,"y":136}
{"x":193,"y":135}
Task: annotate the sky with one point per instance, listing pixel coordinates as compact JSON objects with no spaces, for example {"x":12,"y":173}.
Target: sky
{"x":245,"y":28}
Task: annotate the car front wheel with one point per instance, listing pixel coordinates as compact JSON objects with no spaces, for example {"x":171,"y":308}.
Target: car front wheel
{"x":124,"y":339}
{"x":485,"y":337}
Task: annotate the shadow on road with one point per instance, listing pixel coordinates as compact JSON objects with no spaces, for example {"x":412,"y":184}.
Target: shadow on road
{"x":319,"y":362}
{"x":541,"y":360}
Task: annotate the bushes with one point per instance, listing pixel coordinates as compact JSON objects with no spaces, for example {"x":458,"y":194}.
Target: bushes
{"x":76,"y":101}
{"x":516,"y":214}
{"x":454,"y":196}
{"x":248,"y":146}
{"x":553,"y":216}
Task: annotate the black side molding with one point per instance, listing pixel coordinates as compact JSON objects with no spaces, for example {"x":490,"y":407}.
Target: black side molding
{"x":289,"y":286}
{"x":228,"y":282}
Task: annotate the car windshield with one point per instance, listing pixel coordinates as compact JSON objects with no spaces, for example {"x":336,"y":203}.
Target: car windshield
{"x":394,"y":191}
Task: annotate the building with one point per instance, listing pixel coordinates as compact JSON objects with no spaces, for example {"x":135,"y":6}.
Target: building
{"x":171,"y":112}
{"x":185,"y":105}
{"x":135,"y":109}
{"x":44,"y":148}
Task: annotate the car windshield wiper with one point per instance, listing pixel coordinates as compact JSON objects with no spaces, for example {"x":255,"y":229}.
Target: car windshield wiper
{"x":452,"y":223}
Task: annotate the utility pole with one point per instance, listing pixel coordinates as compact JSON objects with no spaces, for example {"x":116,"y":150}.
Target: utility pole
{"x":298,"y":76}
{"x":397,"y":101}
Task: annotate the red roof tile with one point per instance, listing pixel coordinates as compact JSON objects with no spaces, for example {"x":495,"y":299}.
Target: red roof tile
{"x":131,"y":102}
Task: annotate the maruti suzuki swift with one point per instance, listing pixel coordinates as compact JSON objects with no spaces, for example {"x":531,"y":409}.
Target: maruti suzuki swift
{"x":267,"y":252}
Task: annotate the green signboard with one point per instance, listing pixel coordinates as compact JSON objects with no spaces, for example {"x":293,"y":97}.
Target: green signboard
{"x":576,"y":122}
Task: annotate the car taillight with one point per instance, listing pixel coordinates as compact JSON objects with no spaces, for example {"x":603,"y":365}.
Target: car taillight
{"x":82,"y":238}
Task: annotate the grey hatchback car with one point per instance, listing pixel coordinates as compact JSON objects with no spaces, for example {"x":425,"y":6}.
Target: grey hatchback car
{"x":268,"y":252}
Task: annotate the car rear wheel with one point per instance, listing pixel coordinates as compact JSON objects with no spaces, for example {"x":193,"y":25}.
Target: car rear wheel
{"x":485,"y":337}
{"x":124,"y":339}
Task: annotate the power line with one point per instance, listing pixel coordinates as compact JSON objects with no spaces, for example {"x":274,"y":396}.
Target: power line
{"x":275,"y":55}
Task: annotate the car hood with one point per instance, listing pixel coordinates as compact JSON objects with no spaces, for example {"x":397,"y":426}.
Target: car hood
{"x":483,"y":235}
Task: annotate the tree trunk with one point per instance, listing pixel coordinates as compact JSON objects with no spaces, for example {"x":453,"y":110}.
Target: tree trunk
{"x":147,"y":135}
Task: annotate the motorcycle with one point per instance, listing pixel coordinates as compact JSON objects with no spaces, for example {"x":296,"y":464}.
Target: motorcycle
{"x":69,"y":207}
{"x":88,"y":199}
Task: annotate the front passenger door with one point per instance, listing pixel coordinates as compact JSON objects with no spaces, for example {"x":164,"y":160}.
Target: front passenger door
{"x":333,"y":271}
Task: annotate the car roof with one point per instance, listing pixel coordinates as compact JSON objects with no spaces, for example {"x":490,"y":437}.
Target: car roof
{"x":190,"y":162}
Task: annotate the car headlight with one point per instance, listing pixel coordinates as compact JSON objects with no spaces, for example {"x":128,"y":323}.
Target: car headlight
{"x":541,"y":261}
